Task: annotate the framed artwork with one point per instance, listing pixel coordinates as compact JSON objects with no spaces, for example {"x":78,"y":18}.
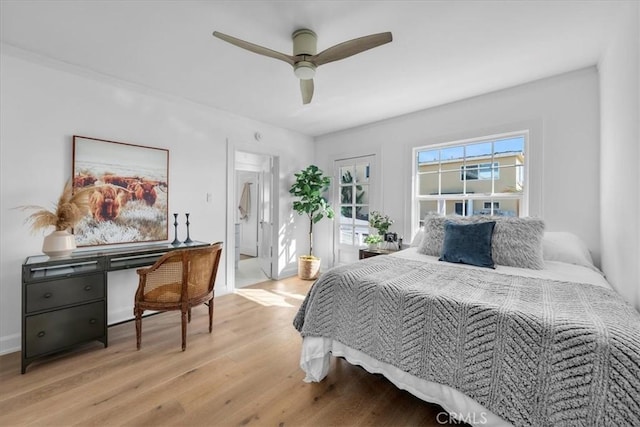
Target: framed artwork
{"x":128,"y":191}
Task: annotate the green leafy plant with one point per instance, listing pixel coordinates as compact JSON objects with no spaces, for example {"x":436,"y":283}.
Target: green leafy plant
{"x":373,"y":239}
{"x":380,"y":221}
{"x":309,"y":186}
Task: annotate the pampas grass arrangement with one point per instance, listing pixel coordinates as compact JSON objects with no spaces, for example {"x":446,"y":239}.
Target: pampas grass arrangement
{"x":70,"y":209}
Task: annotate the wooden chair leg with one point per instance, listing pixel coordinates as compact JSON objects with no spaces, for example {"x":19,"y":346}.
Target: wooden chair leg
{"x":184,"y":330}
{"x":189,"y":314}
{"x":210,"y":315}
{"x":138,"y":314}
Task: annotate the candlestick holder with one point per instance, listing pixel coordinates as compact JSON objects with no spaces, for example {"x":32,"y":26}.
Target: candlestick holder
{"x":188,"y":239}
{"x":175,"y":242}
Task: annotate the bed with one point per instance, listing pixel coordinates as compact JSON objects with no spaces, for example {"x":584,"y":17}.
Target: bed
{"x":552,"y":345}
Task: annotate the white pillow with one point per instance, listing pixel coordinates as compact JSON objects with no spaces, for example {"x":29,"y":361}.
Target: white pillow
{"x":563,"y":246}
{"x":417,"y":239}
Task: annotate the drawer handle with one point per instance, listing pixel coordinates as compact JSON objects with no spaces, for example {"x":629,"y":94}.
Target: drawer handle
{"x":92,"y":321}
{"x":41,"y":334}
{"x":87,"y":288}
{"x":48,"y":295}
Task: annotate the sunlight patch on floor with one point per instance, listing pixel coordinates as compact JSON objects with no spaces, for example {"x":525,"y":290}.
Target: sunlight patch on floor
{"x":289,"y":294}
{"x":264,"y":297}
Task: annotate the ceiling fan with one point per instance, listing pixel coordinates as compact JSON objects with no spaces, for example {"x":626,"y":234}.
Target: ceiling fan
{"x":305,"y":60}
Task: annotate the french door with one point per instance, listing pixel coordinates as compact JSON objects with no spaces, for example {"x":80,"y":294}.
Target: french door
{"x":355,"y":178}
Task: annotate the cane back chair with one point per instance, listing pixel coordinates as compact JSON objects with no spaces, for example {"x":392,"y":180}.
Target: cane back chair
{"x":179,"y":280}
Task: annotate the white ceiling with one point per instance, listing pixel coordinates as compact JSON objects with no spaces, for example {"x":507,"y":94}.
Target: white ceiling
{"x":442,"y":51}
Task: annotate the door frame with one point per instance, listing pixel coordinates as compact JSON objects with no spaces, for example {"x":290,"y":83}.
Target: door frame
{"x":230,"y":271}
{"x":266,"y":187}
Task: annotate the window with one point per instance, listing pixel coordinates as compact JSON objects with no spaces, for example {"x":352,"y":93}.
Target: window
{"x":480,"y":171}
{"x":481,"y":176}
{"x":459,"y":208}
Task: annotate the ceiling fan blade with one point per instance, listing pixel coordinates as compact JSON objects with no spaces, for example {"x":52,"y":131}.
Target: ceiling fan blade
{"x":351,"y":47}
{"x":306,"y":87}
{"x":255,"y":48}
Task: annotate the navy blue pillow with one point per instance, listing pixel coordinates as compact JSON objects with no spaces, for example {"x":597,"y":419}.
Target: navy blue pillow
{"x":468,"y":243}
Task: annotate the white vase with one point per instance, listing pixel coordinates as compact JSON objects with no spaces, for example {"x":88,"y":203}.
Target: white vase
{"x":59,"y":244}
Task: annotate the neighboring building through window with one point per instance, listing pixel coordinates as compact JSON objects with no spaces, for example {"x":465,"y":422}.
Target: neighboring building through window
{"x":483,"y":176}
{"x":480,"y":171}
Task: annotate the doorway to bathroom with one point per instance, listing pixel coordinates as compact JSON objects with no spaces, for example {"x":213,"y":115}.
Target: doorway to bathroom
{"x":254,"y":183}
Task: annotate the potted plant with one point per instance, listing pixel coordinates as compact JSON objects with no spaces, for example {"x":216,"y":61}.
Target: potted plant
{"x":380,"y":222}
{"x":309,"y":186}
{"x":373,"y":240}
{"x":69,"y":210}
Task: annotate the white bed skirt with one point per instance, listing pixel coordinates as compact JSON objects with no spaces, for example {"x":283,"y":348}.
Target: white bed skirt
{"x":315,"y":361}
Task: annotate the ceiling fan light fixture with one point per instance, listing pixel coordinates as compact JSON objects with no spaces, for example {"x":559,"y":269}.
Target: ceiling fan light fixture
{"x":305,"y":58}
{"x":304,"y":70}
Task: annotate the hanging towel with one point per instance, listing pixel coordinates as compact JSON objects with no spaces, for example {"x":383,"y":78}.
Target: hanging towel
{"x":245,"y":201}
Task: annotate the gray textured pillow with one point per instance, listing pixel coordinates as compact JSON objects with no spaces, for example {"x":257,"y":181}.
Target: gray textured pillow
{"x":517,"y":242}
{"x":434,"y":233}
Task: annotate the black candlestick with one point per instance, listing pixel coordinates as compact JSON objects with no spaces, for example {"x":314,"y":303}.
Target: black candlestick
{"x":175,"y":242}
{"x":188,"y":240}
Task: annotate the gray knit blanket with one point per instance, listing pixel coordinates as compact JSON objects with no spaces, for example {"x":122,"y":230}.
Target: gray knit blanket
{"x":536,"y":352}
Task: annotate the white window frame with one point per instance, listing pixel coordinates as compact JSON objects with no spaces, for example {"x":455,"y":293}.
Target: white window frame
{"x":416,"y":222}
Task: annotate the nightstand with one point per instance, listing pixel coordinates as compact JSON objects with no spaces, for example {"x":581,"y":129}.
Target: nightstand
{"x":368,"y":253}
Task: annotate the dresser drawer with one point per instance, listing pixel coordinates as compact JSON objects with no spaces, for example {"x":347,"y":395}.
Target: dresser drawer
{"x":56,"y":330}
{"x":71,"y":290}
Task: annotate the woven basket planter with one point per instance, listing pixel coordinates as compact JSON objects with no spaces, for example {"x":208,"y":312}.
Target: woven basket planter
{"x":308,"y":267}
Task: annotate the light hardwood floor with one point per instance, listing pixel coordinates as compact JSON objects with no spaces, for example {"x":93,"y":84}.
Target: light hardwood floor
{"x":244,"y":373}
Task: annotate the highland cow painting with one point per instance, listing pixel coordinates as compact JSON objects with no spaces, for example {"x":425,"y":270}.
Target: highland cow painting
{"x":128,"y":191}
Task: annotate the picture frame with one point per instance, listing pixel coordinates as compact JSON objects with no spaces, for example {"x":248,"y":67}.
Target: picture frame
{"x":128,"y":188}
{"x":391,"y":237}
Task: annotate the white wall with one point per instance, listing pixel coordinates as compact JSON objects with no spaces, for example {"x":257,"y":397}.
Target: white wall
{"x":562,"y":113}
{"x":620,"y":152}
{"x":44,"y":103}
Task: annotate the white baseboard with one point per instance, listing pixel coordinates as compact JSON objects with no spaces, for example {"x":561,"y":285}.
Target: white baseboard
{"x":119,"y":316}
{"x":288,"y":272}
{"x":126,"y":314}
{"x":10,"y":344}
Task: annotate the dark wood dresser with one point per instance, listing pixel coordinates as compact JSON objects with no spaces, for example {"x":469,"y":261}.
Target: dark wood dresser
{"x":64,"y":301}
{"x":368,"y":253}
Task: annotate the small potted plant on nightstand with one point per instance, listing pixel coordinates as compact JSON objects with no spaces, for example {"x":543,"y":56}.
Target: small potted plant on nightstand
{"x":373,"y":240}
{"x":309,"y":186}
